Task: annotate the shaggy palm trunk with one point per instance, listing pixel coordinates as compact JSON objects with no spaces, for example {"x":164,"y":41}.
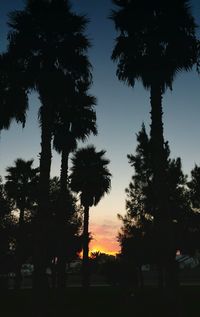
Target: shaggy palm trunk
{"x":158,"y":155}
{"x":163,"y":221}
{"x":64,"y":172}
{"x":45,"y":163}
{"x":85,"y":268}
{"x":62,"y":219}
{"x":42,"y":225}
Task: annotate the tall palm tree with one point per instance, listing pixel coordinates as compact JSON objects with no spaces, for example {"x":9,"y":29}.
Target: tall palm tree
{"x":75,"y":121}
{"x":156,"y":41}
{"x":64,"y":240}
{"x":48,"y":40}
{"x":91,"y":178}
{"x":21,"y":188}
{"x":21,"y":184}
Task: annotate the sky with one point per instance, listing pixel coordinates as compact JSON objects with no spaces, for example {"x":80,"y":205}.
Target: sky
{"x":120,"y":113}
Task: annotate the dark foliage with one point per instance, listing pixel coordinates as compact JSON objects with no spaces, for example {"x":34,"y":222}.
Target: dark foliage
{"x":90,"y":178}
{"x":139,"y":239}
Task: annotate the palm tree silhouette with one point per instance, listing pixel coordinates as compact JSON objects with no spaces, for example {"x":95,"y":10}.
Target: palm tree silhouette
{"x":156,"y":41}
{"x":47,"y":40}
{"x":91,"y":178}
{"x":75,"y":121}
{"x":153,"y":50}
{"x":21,"y":188}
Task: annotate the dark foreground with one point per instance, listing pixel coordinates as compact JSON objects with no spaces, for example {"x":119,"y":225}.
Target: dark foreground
{"x":104,"y":302}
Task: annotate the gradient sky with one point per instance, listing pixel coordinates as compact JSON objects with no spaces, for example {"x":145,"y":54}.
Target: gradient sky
{"x":120,"y":113}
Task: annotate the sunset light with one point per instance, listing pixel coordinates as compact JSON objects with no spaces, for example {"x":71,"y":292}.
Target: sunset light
{"x":99,"y":141}
{"x":95,"y":250}
{"x":104,"y":236}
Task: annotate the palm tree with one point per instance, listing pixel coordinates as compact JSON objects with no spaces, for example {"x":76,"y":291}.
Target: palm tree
{"x":91,"y":178}
{"x":21,"y":188}
{"x":156,"y":41}
{"x":48,"y":40}
{"x":65,"y":237}
{"x":75,"y":121}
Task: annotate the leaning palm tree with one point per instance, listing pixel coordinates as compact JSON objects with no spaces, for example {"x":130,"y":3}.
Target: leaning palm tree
{"x":156,"y":41}
{"x":91,"y":178}
{"x":47,"y":40}
{"x":21,"y":188}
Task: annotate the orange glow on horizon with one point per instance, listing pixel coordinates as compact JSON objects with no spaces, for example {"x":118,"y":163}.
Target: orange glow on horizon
{"x":93,"y":250}
{"x":97,"y":250}
{"x":104,"y":238}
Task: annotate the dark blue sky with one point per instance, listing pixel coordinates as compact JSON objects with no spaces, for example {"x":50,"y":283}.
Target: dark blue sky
{"x":120,"y":113}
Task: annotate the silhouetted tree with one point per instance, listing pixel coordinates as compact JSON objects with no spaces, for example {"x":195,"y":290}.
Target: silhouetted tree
{"x":194,"y":187}
{"x":139,"y":239}
{"x":91,"y":178}
{"x":21,"y":188}
{"x":13,"y":106}
{"x":191,"y":235}
{"x":64,"y":241}
{"x":48,"y":40}
{"x":152,"y":50}
{"x":75,"y":121}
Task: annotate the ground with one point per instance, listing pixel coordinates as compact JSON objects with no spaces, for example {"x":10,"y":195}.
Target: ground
{"x":105,"y":302}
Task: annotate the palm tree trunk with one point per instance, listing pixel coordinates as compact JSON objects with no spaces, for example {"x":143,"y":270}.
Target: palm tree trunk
{"x":158,"y":154}
{"x":45,"y":163}
{"x":61,"y":277}
{"x":160,"y":195}
{"x":64,"y":172}
{"x":163,"y":221}
{"x":43,"y":221}
{"x":62,"y":219}
{"x":85,"y":268}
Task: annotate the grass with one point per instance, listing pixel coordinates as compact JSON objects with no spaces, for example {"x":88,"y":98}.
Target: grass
{"x":106,"y":302}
